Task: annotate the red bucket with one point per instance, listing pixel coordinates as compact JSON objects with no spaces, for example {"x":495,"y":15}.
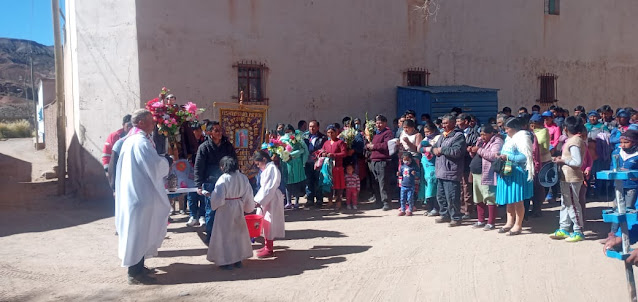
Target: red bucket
{"x":254,"y":225}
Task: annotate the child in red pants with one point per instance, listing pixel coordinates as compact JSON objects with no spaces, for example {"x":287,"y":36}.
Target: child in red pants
{"x":352,"y":187}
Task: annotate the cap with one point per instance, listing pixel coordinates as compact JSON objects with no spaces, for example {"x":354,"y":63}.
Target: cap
{"x":548,"y":175}
{"x":593,"y":113}
{"x":536,"y":118}
{"x":547,"y":114}
{"x":623,"y":113}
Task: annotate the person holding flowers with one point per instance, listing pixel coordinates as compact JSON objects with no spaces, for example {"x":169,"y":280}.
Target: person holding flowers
{"x":336,"y":150}
{"x":298,"y":156}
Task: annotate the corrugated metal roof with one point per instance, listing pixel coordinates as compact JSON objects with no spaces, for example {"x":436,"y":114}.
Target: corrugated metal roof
{"x":449,"y":89}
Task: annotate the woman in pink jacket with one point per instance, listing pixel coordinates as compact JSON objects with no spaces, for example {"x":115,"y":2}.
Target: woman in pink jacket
{"x":484,"y":183}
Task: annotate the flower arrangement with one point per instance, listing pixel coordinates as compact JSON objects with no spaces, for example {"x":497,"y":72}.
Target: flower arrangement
{"x":371,"y":127}
{"x":170,"y":117}
{"x":278,"y":147}
{"x":348,"y":136}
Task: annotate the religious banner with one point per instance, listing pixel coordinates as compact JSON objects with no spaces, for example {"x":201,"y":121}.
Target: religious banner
{"x":245,"y":127}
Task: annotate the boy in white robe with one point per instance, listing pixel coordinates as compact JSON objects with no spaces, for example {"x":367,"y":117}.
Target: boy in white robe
{"x":231,"y":198}
{"x":269,"y":203}
{"x":141,"y":203}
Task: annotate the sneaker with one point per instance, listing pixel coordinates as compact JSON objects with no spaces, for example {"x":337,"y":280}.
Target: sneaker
{"x":354,"y":207}
{"x":488,"y":227}
{"x":386,"y":206}
{"x":401,"y":213}
{"x":182,"y":212}
{"x":478,"y":225}
{"x":349,"y":207}
{"x":192,"y":222}
{"x":433,"y":213}
{"x":454,"y":223}
{"x":372,"y":199}
{"x":575,"y":237}
{"x":466,"y":217}
{"x":296,"y":207}
{"x":288,"y":206}
{"x":559,"y":234}
{"x":202,"y":221}
{"x":408,"y":213}
{"x":442,"y":220}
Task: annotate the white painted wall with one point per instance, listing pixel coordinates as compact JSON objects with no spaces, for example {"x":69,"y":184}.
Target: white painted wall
{"x":102,"y":80}
{"x":327,"y":59}
{"x":507,"y":44}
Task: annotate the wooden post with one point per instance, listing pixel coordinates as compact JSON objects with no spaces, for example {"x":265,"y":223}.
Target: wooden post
{"x":59,"y":95}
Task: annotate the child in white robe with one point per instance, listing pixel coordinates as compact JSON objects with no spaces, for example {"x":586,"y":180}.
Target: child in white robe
{"x":232,"y":197}
{"x":268,"y":200}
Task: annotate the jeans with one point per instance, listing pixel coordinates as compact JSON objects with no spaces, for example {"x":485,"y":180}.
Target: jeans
{"x":570,"y":211}
{"x":407,"y":197}
{"x":210,"y":214}
{"x":448,"y":194}
{"x":381,"y":171}
{"x":313,"y":191}
{"x":196,"y":204}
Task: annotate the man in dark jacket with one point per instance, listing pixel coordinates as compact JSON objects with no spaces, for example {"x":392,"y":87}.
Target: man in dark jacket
{"x":380,"y":161}
{"x":207,"y":169}
{"x":315,"y":142}
{"x":450,"y":152}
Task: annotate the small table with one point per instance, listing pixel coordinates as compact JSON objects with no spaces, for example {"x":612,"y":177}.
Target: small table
{"x":182,"y":191}
{"x":621,"y":217}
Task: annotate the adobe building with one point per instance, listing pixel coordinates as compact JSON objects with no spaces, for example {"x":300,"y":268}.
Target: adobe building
{"x":310,"y":59}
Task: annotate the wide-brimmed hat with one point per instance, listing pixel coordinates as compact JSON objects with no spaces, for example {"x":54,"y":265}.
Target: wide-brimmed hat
{"x":548,"y":175}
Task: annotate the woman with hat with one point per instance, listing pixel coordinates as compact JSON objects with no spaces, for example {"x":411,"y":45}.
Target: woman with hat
{"x":593,"y":126}
{"x":515,"y":183}
{"x":484,"y":183}
{"x":623,"y":124}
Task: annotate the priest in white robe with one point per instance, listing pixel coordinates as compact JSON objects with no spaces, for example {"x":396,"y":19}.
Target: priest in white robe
{"x":270,"y":203}
{"x":142,"y":206}
{"x":231,"y":198}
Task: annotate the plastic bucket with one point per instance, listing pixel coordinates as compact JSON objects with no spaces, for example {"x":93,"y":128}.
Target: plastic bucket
{"x":254,"y":224}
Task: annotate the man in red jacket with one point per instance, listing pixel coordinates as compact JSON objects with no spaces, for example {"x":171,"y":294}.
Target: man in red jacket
{"x":380,"y":161}
{"x":114,"y":137}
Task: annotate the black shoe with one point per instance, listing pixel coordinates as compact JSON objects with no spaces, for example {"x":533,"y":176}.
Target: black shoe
{"x":141,"y":279}
{"x":238,"y":264}
{"x":148,"y":271}
{"x":504,"y":230}
{"x":454,"y":223}
{"x":226,"y":267}
{"x":386,"y":206}
{"x":309,"y":204}
{"x":442,"y":220}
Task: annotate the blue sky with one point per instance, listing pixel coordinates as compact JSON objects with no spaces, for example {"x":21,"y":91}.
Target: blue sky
{"x":27,"y":19}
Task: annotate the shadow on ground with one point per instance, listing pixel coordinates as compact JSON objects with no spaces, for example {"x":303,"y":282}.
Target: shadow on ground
{"x":298,"y":261}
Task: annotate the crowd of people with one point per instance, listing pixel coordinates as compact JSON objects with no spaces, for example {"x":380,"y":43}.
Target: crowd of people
{"x":455,"y":167}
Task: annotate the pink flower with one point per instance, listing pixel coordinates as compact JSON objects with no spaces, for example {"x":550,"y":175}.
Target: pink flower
{"x":191,"y":107}
{"x":288,"y":148}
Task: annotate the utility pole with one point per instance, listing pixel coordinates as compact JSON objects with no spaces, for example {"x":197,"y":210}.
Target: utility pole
{"x":59,"y":95}
{"x":35,"y":106}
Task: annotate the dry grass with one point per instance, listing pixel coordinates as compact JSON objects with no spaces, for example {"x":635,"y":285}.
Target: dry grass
{"x":15,"y":129}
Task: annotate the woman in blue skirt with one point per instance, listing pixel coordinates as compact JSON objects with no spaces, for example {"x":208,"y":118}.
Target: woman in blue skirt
{"x":515,"y":184}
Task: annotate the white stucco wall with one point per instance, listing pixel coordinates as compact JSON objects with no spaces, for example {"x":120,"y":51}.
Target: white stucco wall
{"x":326,"y":59}
{"x":102,"y":80}
{"x":507,"y":44}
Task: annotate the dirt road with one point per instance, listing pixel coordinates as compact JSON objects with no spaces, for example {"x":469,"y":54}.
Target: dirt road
{"x":58,"y":249}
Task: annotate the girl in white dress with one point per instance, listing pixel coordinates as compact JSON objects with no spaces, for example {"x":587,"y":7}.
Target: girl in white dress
{"x":232,"y":197}
{"x":269,"y":201}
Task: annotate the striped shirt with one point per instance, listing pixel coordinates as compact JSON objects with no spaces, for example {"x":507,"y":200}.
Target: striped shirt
{"x":352,"y":181}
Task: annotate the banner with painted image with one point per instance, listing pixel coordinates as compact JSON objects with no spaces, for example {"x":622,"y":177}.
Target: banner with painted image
{"x":244,"y":126}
